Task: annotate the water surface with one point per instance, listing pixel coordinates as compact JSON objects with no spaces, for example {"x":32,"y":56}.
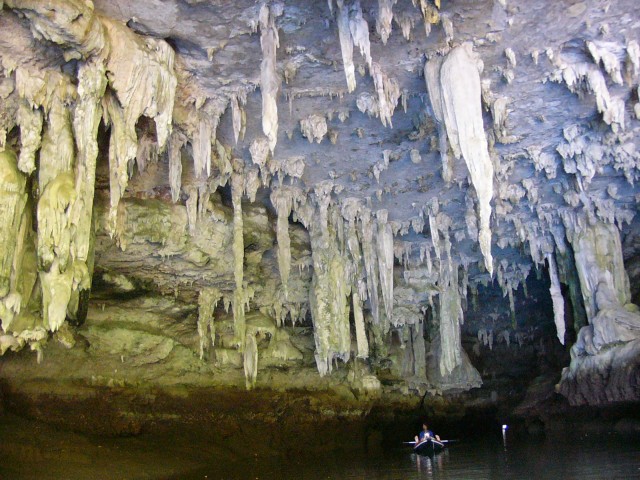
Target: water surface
{"x":30,"y":450}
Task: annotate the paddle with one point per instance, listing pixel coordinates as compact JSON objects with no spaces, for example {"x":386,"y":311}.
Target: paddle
{"x":441,"y":441}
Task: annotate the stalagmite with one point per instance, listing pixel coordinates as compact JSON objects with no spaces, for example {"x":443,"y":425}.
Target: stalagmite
{"x":237,"y":186}
{"x":597,"y":249}
{"x":384,"y":243}
{"x":556,"y":298}
{"x":461,"y":102}
{"x":269,"y":80}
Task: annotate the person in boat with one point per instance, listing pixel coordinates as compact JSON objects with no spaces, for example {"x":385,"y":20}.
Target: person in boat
{"x":425,"y":434}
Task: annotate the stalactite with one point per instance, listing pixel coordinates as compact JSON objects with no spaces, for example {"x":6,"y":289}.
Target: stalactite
{"x":360,"y":31}
{"x":450,"y":319}
{"x":346,"y":45}
{"x":461,"y":101}
{"x":282,"y":199}
{"x":429,"y":13}
{"x":370,"y":263}
{"x":384,"y":245}
{"x":92,"y":82}
{"x":361,"y":334}
{"x":269,"y":80}
{"x":388,"y":94}
{"x":385,"y":19}
{"x":250,"y":358}
{"x":329,"y":290}
{"x":207,"y":301}
{"x":122,"y":149}
{"x":597,"y":249}
{"x":556,"y":298}
{"x":143,"y":78}
{"x":237,"y":118}
{"x":237,"y":183}
{"x":13,"y":200}
{"x":259,"y":151}
{"x":419,"y":351}
{"x":57,"y":152}
{"x":202,"y":146}
{"x":176,"y":142}
{"x":432,"y":80}
{"x":30,"y":121}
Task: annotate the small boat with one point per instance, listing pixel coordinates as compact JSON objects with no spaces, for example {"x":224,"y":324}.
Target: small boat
{"x":429,"y":446}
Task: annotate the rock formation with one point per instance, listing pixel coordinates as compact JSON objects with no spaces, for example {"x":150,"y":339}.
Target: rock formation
{"x":267,"y":197}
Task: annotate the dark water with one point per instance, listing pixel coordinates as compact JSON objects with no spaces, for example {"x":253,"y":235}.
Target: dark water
{"x":30,"y":450}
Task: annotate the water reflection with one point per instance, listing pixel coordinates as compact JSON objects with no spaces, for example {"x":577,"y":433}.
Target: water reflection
{"x":428,"y":464}
{"x":33,"y":451}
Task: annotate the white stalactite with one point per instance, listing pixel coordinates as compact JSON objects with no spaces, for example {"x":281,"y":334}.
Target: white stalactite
{"x":143,"y":78}
{"x":282,"y":199}
{"x":176,"y":141}
{"x":87,"y":115}
{"x":462,"y":109}
{"x":30,"y":121}
{"x":361,"y":333}
{"x":202,"y":146}
{"x":346,"y":45}
{"x":13,"y":200}
{"x":207,"y":301}
{"x":360,"y":31}
{"x":556,"y":298}
{"x":237,"y":119}
{"x":432,"y":80}
{"x":250,"y":358}
{"x":329,"y":289}
{"x":385,"y":19}
{"x":385,"y":262}
{"x":450,"y":319}
{"x":388,"y":94}
{"x":370,"y":263}
{"x":269,"y":80}
{"x":237,"y":186}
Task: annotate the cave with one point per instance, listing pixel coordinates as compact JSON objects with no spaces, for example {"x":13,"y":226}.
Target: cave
{"x":296,"y":213}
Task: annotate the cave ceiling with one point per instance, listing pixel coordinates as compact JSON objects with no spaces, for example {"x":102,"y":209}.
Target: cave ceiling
{"x":218,"y":53}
